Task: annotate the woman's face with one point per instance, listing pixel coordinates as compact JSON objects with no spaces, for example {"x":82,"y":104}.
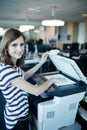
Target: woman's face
{"x":16,"y":49}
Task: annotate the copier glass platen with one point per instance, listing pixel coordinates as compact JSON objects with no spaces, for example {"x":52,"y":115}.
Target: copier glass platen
{"x":57,"y":107}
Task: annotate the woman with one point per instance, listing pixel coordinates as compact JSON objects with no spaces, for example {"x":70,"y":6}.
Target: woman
{"x":13,"y":82}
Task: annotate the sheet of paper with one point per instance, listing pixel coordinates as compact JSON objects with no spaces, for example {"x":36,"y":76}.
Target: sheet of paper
{"x":62,"y":80}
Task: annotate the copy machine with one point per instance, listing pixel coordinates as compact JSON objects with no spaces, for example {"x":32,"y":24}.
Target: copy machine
{"x":57,"y":107}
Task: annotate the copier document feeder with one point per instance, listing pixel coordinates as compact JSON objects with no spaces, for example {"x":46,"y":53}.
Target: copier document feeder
{"x":57,"y":107}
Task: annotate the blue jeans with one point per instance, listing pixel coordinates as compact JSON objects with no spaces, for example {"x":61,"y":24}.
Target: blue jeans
{"x":21,"y":125}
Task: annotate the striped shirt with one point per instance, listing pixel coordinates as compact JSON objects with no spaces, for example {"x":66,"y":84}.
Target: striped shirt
{"x":16,"y":100}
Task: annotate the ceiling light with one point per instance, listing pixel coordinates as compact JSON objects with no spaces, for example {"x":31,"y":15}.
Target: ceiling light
{"x":1,"y":29}
{"x":53,"y":22}
{"x":24,"y":28}
{"x":36,"y":31}
{"x":85,"y":15}
{"x":37,"y":9}
{"x":31,"y":9}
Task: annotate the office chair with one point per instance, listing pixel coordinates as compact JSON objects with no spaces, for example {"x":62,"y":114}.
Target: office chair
{"x":43,"y":48}
{"x":74,"y":49}
{"x":2,"y":105}
{"x":85,"y":47}
{"x":83,"y":64}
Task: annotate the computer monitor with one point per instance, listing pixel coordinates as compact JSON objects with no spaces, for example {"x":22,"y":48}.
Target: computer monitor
{"x":85,"y":45}
{"x":66,"y":47}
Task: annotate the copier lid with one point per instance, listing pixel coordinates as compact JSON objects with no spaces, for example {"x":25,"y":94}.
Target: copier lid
{"x":66,"y":66}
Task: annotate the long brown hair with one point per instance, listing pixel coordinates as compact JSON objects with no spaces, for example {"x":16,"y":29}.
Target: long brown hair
{"x":9,"y":36}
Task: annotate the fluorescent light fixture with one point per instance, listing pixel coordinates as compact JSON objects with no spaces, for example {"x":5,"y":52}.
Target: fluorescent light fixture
{"x":36,"y":31}
{"x":24,"y":28}
{"x":85,"y":15}
{"x":53,"y":22}
{"x":31,"y":9}
{"x":1,"y":29}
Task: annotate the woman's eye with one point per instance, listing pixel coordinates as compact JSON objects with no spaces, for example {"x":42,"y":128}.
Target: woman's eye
{"x":22,"y":44}
{"x":14,"y":45}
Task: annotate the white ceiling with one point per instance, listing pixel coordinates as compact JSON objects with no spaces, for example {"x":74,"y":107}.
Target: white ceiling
{"x":15,"y":12}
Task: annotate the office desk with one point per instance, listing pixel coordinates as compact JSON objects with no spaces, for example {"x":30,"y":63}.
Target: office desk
{"x":33,"y":60}
{"x":46,"y":67}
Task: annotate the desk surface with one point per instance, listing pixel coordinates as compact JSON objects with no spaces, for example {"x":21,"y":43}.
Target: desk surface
{"x":33,"y":60}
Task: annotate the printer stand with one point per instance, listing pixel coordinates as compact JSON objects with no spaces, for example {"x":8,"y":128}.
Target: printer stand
{"x":82,"y":118}
{"x":75,"y":126}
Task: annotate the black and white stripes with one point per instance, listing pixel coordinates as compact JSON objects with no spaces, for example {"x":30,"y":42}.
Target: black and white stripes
{"x":16,"y":100}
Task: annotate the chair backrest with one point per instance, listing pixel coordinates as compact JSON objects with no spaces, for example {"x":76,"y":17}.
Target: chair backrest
{"x":83,"y":63}
{"x":2,"y":105}
{"x":43,"y":48}
{"x":74,"y":49}
{"x":85,"y":45}
{"x":75,"y":46}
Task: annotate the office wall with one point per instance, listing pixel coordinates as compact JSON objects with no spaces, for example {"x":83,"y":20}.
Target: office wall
{"x":63,"y":34}
{"x":86,"y":30}
{"x":81,"y":33}
{"x":49,"y":33}
{"x":42,"y":34}
{"x":27,"y":35}
{"x":70,"y":32}
{"x":75,"y":32}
